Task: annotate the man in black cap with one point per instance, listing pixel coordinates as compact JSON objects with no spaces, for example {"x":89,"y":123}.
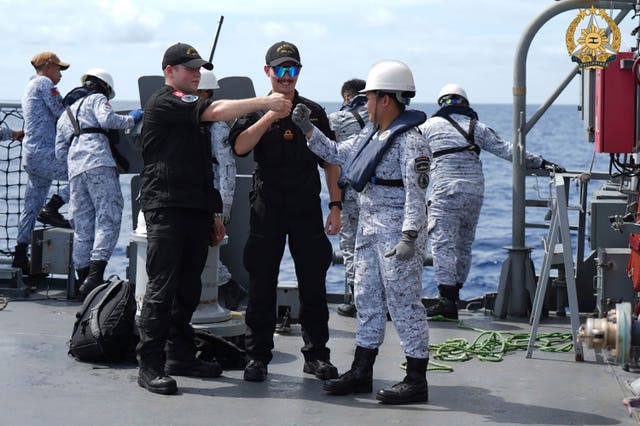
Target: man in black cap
{"x":182,"y":211}
{"x":285,"y":204}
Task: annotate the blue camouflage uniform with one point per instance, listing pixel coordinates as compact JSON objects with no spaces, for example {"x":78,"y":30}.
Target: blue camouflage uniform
{"x":224,"y":180}
{"x":385,"y":211}
{"x":41,"y":107}
{"x":346,"y":125}
{"x":96,"y":199}
{"x":457,"y":192}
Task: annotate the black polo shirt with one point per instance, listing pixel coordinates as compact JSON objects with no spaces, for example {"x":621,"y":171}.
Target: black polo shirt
{"x":286,"y":167}
{"x":177,"y":154}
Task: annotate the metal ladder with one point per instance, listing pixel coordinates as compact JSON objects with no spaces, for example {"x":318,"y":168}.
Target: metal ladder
{"x":558,"y":230}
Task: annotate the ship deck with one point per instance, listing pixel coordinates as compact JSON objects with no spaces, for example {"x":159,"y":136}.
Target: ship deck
{"x":43,"y":385}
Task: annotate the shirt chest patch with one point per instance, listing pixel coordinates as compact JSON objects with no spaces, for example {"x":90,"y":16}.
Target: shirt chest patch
{"x":288,"y":135}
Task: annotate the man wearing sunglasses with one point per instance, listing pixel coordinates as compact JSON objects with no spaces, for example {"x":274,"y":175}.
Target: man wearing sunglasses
{"x":285,"y":204}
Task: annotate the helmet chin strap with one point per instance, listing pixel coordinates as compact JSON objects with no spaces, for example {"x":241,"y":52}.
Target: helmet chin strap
{"x":375,"y":110}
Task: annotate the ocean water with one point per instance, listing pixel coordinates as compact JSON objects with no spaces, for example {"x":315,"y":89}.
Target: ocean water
{"x":558,"y":136}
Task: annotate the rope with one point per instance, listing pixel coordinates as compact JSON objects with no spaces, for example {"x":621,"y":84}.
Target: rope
{"x":492,"y":345}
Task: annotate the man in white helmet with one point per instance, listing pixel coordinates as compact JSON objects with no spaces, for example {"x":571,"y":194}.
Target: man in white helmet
{"x":388,"y":163}
{"x":456,"y":138}
{"x":230,"y":293}
{"x":82,"y":139}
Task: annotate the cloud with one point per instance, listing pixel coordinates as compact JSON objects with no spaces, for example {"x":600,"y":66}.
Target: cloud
{"x":127,"y":23}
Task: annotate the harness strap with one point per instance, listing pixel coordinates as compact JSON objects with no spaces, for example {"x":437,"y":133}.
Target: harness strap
{"x":77,"y":131}
{"x":386,"y":182}
{"x":358,"y":118}
{"x":469,"y":136}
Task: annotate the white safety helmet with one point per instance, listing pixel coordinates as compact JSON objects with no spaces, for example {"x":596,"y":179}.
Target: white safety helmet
{"x":450,"y":90}
{"x":391,"y":76}
{"x":208,"y":81}
{"x":104,"y":76}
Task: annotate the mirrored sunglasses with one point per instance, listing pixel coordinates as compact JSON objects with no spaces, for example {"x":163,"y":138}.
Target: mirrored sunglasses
{"x":280,"y":70}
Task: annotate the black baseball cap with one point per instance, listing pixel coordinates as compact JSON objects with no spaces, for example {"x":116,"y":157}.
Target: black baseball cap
{"x":184,"y":54}
{"x":282,"y":52}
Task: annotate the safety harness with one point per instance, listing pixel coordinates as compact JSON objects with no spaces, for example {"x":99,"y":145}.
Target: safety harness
{"x":76,"y":126}
{"x":353,"y":106}
{"x":358,"y":118}
{"x":468,"y":135}
{"x":80,"y":93}
{"x":372,"y":148}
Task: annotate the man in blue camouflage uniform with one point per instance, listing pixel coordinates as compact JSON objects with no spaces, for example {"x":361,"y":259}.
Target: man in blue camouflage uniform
{"x":389,"y":164}
{"x":41,"y":107}
{"x":347,"y":123}
{"x":96,"y":199}
{"x":456,"y":138}
{"x":230,"y":293}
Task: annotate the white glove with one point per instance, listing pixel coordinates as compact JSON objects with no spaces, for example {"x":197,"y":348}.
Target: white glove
{"x":406,"y":248}
{"x":300,"y":116}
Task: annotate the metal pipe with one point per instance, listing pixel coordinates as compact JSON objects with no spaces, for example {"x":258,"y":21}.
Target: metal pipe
{"x":517,"y":260}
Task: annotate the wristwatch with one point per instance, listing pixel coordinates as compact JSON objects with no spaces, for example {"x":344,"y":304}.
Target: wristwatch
{"x":337,"y":204}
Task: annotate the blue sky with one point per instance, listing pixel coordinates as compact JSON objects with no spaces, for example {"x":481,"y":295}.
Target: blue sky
{"x":470,"y":42}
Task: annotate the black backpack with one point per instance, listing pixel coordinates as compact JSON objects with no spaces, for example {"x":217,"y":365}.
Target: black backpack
{"x":103,"y":331}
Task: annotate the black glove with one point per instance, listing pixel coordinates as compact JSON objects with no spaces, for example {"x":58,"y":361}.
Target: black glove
{"x":300,"y":116}
{"x":406,"y":248}
{"x":552,"y":167}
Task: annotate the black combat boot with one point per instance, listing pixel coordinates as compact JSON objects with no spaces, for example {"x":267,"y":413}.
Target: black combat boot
{"x":357,"y":380}
{"x":447,"y":305}
{"x":82,"y":275}
{"x":95,"y":276}
{"x":322,"y":369}
{"x":413,"y":388}
{"x":155,"y":380}
{"x":348,"y":309}
{"x":255,"y":371}
{"x":49,"y":214}
{"x":20,"y":259}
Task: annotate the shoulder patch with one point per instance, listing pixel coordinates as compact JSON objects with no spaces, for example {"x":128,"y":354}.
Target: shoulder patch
{"x":184,"y":97}
{"x":422,"y":164}
{"x":423,"y":180}
{"x":189,"y":98}
{"x":54,"y":91}
{"x":107,"y":106}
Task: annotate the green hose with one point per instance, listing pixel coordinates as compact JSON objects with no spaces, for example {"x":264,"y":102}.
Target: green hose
{"x":491,"y":345}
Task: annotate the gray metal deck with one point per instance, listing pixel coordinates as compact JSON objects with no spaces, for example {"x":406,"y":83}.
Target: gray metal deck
{"x":42,"y":385}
